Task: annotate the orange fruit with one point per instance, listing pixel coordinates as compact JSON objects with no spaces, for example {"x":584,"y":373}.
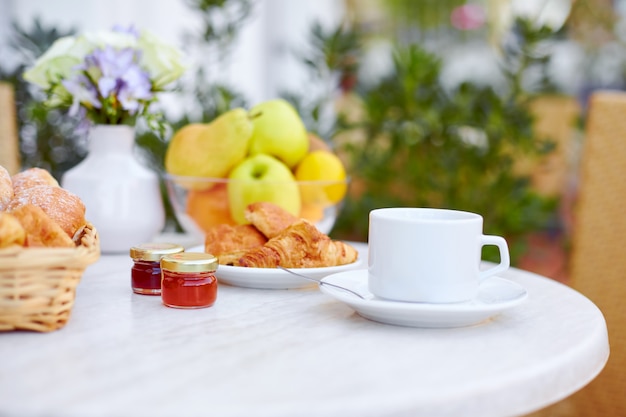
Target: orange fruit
{"x":209,"y":207}
{"x":312,"y":212}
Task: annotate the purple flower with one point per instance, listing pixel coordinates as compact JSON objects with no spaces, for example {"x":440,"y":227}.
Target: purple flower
{"x":136,"y":86}
{"x":118,"y":77}
{"x":82,"y":91}
{"x":117,"y":73}
{"x":130,"y":30}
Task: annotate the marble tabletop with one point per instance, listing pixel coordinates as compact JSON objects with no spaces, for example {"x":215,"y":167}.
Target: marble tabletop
{"x":295,"y":353}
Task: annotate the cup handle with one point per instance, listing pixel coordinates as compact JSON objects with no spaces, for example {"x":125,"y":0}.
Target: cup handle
{"x":505,"y":260}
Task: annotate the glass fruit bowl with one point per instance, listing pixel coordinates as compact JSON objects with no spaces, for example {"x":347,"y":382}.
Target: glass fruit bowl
{"x":200,"y":203}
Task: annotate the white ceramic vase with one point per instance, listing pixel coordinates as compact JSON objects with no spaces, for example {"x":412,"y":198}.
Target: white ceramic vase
{"x":122,"y":197}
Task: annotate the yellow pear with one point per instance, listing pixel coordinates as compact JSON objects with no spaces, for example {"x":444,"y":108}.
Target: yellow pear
{"x":210,"y":149}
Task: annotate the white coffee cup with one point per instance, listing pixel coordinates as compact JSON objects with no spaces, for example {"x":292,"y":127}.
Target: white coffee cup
{"x":428,"y":255}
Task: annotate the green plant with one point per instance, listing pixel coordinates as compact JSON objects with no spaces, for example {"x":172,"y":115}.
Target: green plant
{"x":221,"y":21}
{"x":423,"y":15}
{"x":48,"y":138}
{"x":420,"y":144}
{"x":332,"y":62}
{"x":526,"y":54}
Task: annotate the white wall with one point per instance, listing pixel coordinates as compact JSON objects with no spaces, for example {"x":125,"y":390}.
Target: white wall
{"x":7,"y":60}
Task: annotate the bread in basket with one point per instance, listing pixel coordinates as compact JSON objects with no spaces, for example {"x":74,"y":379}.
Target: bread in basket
{"x":45,"y":246}
{"x":37,"y":285}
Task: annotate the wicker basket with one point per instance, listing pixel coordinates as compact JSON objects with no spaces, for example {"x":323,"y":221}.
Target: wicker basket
{"x":37,"y":285}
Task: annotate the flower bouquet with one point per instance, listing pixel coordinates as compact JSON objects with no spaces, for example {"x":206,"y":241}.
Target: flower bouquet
{"x":108,"y":77}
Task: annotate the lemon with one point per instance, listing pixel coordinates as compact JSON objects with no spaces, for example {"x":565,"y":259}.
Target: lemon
{"x":327,"y":168}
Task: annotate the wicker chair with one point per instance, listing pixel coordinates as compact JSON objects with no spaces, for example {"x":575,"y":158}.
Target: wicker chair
{"x":598,"y":258}
{"x":9,"y":151}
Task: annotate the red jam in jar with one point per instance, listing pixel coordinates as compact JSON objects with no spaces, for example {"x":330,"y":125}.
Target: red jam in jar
{"x":189,"y":280}
{"x":146,"y":271}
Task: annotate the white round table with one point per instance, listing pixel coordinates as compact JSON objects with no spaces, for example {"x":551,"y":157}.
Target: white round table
{"x":295,"y":353}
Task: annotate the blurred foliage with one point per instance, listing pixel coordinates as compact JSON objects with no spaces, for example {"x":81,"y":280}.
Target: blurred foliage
{"x":593,"y":23}
{"x":418,"y":144}
{"x":332,"y":62}
{"x":526,"y":54}
{"x":407,"y":140}
{"x":53,"y":140}
{"x":335,"y":51}
{"x":48,"y":138}
{"x":419,"y":17}
{"x":221,"y":20}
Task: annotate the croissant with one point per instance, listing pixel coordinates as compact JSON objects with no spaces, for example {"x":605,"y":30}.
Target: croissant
{"x":40,"y":229}
{"x":300,"y":245}
{"x":36,"y":212}
{"x":11,"y":231}
{"x":60,"y":205}
{"x":269,"y":218}
{"x":228,"y":242}
{"x":231,"y":258}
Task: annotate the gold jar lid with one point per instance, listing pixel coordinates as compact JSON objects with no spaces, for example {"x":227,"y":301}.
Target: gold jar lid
{"x":154,"y":251}
{"x":189,"y":262}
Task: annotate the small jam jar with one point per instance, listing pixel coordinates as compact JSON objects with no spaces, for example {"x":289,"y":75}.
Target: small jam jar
{"x":189,"y":280}
{"x":146,"y":271}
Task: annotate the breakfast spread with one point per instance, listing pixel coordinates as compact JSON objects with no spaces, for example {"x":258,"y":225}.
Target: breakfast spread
{"x":275,"y":238}
{"x":35,"y":211}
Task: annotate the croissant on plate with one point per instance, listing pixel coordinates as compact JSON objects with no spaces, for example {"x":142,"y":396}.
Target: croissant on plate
{"x":270,"y":219}
{"x":276,"y":237}
{"x":300,"y":245}
{"x":228,"y":242}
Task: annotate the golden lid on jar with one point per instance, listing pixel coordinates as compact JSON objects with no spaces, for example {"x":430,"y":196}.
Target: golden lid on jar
{"x":189,"y":262}
{"x":154,"y":251}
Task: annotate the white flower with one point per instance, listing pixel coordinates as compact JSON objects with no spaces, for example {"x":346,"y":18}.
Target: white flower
{"x":163,"y":62}
{"x":114,"y":75}
{"x":57,"y":62}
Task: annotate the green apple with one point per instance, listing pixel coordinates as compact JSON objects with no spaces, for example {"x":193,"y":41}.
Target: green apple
{"x":278,"y":131}
{"x":262,"y":177}
{"x":210,"y":149}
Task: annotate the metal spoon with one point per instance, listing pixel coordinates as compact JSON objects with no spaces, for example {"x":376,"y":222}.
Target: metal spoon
{"x":320,"y":282}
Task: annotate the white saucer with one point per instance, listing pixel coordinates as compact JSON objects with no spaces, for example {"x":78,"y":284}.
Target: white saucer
{"x":495,"y":295}
{"x":277,"y":279}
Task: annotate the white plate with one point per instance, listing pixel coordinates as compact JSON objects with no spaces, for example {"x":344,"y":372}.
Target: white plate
{"x":495,"y":295}
{"x":276,"y":279}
